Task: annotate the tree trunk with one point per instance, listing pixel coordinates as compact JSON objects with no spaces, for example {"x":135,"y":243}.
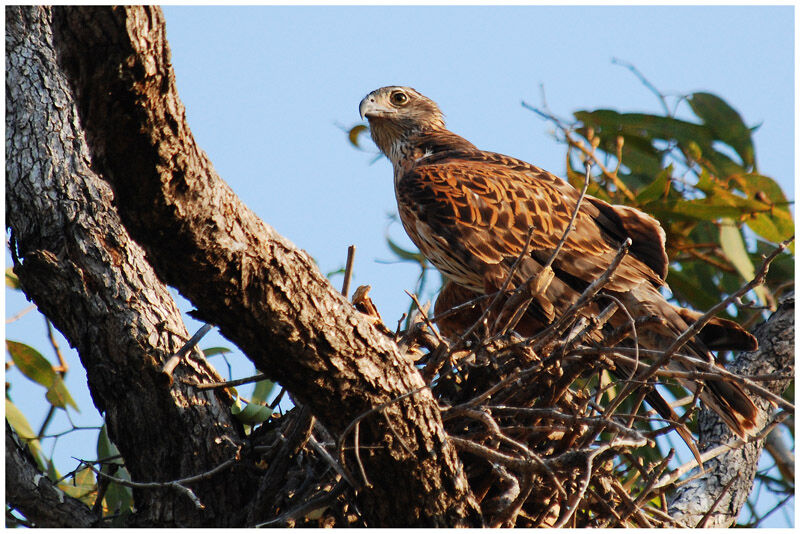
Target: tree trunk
{"x":78,"y":264}
{"x":263,"y":293}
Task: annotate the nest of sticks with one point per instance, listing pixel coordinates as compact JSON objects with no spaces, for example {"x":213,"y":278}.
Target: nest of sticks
{"x":549,"y":430}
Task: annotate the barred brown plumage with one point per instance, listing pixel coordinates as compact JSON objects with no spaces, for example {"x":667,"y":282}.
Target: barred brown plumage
{"x":469,"y":211}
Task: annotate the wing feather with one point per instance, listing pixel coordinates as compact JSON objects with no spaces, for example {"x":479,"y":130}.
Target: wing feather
{"x":484,"y":203}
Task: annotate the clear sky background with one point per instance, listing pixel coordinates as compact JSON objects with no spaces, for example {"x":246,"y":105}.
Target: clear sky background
{"x":268,"y":91}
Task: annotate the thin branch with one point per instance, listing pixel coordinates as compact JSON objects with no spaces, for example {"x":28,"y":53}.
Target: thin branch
{"x":173,"y":362}
{"x":179,"y":485}
{"x":695,"y":327}
{"x":348,"y":270}
{"x":317,"y":446}
{"x":734,"y":444}
{"x":229,"y":383}
{"x":519,"y":301}
{"x":19,"y":316}
{"x":645,"y":81}
{"x":544,"y":336}
{"x":323,"y":500}
{"x":62,"y":364}
{"x":707,"y":515}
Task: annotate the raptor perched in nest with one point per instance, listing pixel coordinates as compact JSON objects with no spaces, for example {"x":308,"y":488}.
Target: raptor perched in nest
{"x":473,"y":213}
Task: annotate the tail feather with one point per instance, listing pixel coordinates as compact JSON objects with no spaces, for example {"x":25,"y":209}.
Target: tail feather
{"x":725,"y":398}
{"x":720,"y":334}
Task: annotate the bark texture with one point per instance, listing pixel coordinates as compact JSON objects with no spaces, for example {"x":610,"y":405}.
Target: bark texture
{"x":76,"y":261}
{"x":29,"y":490}
{"x":693,"y":500}
{"x":264,"y":294}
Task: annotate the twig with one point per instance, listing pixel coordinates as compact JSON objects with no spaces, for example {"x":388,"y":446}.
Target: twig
{"x":572,"y":503}
{"x":19,"y":316}
{"x":734,"y":444}
{"x":229,"y":383}
{"x":348,"y":269}
{"x":424,"y":315}
{"x":62,"y":365}
{"x":175,"y":484}
{"x":173,"y":362}
{"x":323,"y":500}
{"x":524,"y":296}
{"x":571,"y":225}
{"x":333,"y":463}
{"x":706,"y":317}
{"x":486,"y":418}
{"x":586,"y":152}
{"x":708,"y":371}
{"x":544,"y":336}
{"x":374,"y":409}
{"x":356,"y":450}
{"x":645,"y":81}
{"x":464,"y":305}
{"x":499,"y":293}
{"x":620,"y":491}
{"x":707,"y":515}
{"x":507,"y":517}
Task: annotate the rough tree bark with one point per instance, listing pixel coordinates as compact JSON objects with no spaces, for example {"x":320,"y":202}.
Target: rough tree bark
{"x":36,"y":494}
{"x":113,"y":86}
{"x":79,"y":265}
{"x":264,"y":294}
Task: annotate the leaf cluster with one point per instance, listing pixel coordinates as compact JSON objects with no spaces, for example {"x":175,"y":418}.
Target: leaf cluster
{"x":700,"y":180}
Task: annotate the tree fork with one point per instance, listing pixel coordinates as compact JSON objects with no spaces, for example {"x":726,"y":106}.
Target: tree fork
{"x":264,"y":294}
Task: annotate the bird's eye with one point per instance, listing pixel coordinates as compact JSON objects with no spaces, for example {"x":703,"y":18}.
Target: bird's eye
{"x":398,"y":98}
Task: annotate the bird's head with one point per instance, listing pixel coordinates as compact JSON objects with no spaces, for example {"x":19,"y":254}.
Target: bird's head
{"x":396,"y":113}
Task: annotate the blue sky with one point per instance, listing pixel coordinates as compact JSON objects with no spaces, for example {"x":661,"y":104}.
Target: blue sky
{"x":268,"y":89}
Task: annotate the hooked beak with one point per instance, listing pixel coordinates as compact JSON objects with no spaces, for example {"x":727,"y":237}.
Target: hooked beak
{"x":369,"y":107}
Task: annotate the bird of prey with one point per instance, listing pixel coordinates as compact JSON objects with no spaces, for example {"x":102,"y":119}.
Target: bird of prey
{"x":470,"y":212}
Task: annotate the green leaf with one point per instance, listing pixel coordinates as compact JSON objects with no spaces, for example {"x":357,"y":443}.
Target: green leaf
{"x":58,"y":394}
{"x":687,"y":289}
{"x":19,"y":422}
{"x":763,"y":187}
{"x":775,"y":228}
{"x":261,"y":391}
{"x":658,"y":188}
{"x":31,"y":363}
{"x":105,"y":447}
{"x":213,"y":351}
{"x":354,"y":133}
{"x":730,"y":238}
{"x":647,"y":126}
{"x":119,"y":498}
{"x":340,"y":270}
{"x":52,"y":472}
{"x":404,"y":254}
{"x":725,"y":124}
{"x":250,"y":414}
{"x":698,"y":209}
{"x":639,"y":155}
{"x":11,"y":279}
